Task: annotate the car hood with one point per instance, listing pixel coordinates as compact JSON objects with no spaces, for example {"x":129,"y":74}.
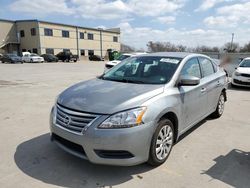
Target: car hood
{"x":245,"y":70}
{"x":107,"y":97}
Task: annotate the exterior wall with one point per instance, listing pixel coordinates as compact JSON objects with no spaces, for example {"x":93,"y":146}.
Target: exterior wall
{"x":107,"y":42}
{"x":57,"y":42}
{"x":28,"y":42}
{"x":8,"y":37}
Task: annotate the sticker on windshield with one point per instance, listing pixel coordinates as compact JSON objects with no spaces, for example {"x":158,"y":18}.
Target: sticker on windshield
{"x":169,"y":60}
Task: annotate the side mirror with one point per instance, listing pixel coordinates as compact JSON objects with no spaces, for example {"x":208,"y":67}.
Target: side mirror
{"x":189,"y":81}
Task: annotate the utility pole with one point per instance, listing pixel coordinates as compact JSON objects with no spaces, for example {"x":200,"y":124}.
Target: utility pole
{"x":232,"y":42}
{"x":101,"y":40}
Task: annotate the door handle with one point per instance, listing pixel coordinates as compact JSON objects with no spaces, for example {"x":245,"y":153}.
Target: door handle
{"x":203,"y":90}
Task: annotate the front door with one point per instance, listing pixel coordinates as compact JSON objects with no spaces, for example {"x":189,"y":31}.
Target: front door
{"x":193,"y":98}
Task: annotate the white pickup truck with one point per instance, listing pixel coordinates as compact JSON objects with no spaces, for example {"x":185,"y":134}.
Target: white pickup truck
{"x":32,"y":58}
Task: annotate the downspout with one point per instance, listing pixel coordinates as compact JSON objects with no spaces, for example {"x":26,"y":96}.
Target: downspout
{"x":77,"y":42}
{"x":101,"y":41}
{"x":39,"y":38}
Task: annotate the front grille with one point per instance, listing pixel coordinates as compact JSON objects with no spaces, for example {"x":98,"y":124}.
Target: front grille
{"x":245,"y":75}
{"x":73,"y":121}
{"x":242,"y":83}
{"x":70,"y":145}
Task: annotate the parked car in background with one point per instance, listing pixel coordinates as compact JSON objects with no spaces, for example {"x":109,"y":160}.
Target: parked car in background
{"x":49,"y":58}
{"x":67,"y":56}
{"x":95,"y":58}
{"x":11,"y":58}
{"x":110,"y":64}
{"x":241,"y":76}
{"x":32,"y":58}
{"x":136,"y":111}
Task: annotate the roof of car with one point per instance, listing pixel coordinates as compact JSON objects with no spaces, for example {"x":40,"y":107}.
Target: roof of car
{"x":171,"y":54}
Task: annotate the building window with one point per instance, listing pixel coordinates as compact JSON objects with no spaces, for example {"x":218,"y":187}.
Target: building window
{"x":49,"y":51}
{"x":90,"y":52}
{"x":29,"y":51}
{"x":33,"y":31}
{"x":48,"y":32}
{"x":81,"y":35}
{"x":66,"y":50}
{"x":90,"y":36}
{"x":65,"y":34}
{"x":34,"y":50}
{"x":82,"y":52}
{"x":22,"y":33}
{"x":115,"y":39}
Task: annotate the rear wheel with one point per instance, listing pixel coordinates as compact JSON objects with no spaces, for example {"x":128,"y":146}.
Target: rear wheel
{"x":161,"y":143}
{"x":220,"y":106}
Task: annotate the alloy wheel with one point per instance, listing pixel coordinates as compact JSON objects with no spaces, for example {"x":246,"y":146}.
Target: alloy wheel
{"x":164,"y":142}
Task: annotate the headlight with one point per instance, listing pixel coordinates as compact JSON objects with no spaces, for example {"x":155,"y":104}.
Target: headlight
{"x":54,"y":112}
{"x":126,"y":119}
{"x":237,"y":73}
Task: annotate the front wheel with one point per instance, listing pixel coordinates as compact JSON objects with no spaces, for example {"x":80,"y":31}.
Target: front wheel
{"x":220,"y":106}
{"x":161,"y":143}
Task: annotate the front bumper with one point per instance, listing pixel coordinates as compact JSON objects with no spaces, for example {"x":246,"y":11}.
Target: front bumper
{"x":134,"y":143}
{"x":241,"y":81}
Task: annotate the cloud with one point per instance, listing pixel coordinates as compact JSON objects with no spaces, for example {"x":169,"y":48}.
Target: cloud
{"x":41,"y":8}
{"x":165,"y":19}
{"x":98,"y":9}
{"x":138,"y":36}
{"x":230,"y":16}
{"x":156,"y":7}
{"x":101,"y":9}
{"x":207,"y":4}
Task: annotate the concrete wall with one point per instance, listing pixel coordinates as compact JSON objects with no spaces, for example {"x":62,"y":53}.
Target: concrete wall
{"x":28,"y":42}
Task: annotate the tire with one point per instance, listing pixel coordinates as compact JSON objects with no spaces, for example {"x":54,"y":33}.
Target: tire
{"x":31,"y":60}
{"x":220,"y":106}
{"x":164,"y":146}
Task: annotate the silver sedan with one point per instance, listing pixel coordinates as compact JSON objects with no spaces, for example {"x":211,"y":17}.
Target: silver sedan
{"x":136,"y":111}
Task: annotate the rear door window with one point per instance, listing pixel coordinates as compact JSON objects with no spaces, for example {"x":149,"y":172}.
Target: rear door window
{"x":206,"y":66}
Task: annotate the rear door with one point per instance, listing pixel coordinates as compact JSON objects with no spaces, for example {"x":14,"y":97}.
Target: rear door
{"x":210,"y":83}
{"x":193,"y":98}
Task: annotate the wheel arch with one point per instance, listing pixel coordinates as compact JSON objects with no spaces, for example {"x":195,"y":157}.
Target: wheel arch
{"x":224,"y":93}
{"x":174,"y":119}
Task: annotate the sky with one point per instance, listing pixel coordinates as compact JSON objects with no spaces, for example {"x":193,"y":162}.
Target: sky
{"x":187,"y":22}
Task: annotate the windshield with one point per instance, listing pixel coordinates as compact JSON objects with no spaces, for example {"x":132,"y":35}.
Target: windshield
{"x":122,"y":57}
{"x":245,"y":63}
{"x":144,"y":69}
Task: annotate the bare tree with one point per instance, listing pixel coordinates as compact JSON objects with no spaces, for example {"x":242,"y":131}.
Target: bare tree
{"x":165,"y":47}
{"x":231,"y":47}
{"x":126,"y":48}
{"x":245,"y":48}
